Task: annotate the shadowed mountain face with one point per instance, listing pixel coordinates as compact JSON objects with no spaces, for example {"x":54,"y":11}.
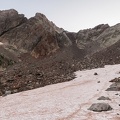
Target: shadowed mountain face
{"x":42,"y":53}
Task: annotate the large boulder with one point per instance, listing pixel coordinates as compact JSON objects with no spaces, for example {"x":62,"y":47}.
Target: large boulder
{"x":99,"y":107}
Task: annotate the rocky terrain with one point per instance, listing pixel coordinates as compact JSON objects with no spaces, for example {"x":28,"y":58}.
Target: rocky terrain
{"x":35,"y":52}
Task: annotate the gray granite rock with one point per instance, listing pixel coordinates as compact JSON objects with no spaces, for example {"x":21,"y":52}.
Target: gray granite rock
{"x":99,"y":107}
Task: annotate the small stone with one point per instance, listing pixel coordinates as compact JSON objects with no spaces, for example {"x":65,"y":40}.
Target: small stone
{"x":38,"y":78}
{"x":19,"y":75}
{"x":7,"y":92}
{"x":95,"y":73}
{"x":98,"y":82}
{"x":15,"y":91}
{"x":37,"y":83}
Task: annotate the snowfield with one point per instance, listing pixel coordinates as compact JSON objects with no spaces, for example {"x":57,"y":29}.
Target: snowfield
{"x":65,"y":101}
{"x":1,"y":43}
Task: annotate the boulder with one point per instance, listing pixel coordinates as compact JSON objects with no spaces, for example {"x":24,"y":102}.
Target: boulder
{"x":99,"y":107}
{"x":115,"y":80}
{"x":103,"y":98}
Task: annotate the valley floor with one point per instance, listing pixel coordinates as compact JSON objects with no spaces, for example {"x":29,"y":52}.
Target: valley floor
{"x":66,"y":101}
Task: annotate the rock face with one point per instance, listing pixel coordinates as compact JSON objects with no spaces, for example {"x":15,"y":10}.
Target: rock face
{"x":28,"y":35}
{"x":98,"y":38}
{"x":37,"y":35}
{"x":9,"y":19}
{"x":87,"y":39}
{"x":99,"y":107}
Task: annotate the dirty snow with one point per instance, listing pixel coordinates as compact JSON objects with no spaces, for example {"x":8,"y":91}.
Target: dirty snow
{"x":65,"y":101}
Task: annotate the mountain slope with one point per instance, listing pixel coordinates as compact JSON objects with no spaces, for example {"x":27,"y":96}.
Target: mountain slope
{"x":46,"y":54}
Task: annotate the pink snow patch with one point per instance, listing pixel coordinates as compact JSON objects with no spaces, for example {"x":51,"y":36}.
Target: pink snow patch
{"x":65,"y":101}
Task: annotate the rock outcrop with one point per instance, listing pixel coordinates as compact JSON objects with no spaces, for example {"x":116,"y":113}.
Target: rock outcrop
{"x":10,"y":19}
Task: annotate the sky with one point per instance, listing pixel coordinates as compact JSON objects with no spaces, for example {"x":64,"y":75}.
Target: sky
{"x":72,"y":15}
